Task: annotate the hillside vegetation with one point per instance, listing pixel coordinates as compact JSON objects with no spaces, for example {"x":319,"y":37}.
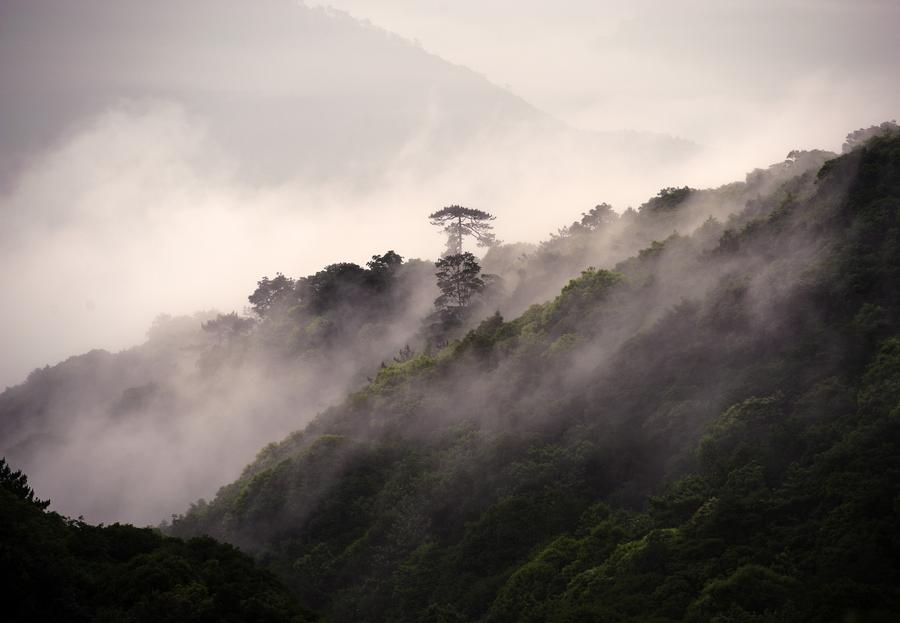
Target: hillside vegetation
{"x":707,"y":430}
{"x":207,"y":391}
{"x":59,"y":569}
{"x":702,"y":425}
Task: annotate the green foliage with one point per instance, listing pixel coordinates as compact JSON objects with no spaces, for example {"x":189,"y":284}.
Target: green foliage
{"x":273,"y":295}
{"x":54,"y":569}
{"x":750,"y":589}
{"x":881,"y":390}
{"x":461,"y":284}
{"x":666,"y":200}
{"x":579,"y":297}
{"x":400,"y":372}
{"x":734,"y":456}
{"x":459,"y":280}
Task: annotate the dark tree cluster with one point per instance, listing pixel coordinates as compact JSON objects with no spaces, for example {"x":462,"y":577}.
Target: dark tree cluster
{"x":296,"y":315}
{"x":707,"y":430}
{"x":58,"y":569}
{"x":342,"y":284}
{"x":857,"y":138}
{"x":459,"y":277}
{"x":16,"y":483}
{"x":273,"y":295}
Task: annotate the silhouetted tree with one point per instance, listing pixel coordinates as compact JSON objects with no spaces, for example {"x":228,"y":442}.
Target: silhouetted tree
{"x":597,"y":218}
{"x":338,"y":285}
{"x":271,"y":294}
{"x":666,"y":200}
{"x":17,"y":483}
{"x":381,"y":269}
{"x":389,"y":260}
{"x":459,"y":279}
{"x":458,"y":221}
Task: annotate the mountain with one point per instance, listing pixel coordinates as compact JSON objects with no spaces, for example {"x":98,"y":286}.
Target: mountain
{"x":105,"y":435}
{"x":235,"y":138}
{"x":285,"y":90}
{"x":707,"y":430}
{"x":58,"y":569}
{"x":701,"y":426}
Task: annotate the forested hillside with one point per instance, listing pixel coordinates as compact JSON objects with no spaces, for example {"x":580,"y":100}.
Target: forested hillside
{"x":707,"y":430}
{"x":686,"y":411}
{"x":105,"y":435}
{"x":59,"y":569}
{"x":207,"y":391}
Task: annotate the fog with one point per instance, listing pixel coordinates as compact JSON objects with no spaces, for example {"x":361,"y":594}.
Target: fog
{"x":634,"y":365}
{"x":142,"y":212}
{"x":163,"y":157}
{"x":715,"y":72}
{"x":180,"y":157}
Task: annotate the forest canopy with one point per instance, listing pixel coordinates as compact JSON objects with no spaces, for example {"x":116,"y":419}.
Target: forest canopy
{"x":683,"y":412}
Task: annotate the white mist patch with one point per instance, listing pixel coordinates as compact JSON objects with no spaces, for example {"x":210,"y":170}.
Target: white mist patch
{"x":141,"y":211}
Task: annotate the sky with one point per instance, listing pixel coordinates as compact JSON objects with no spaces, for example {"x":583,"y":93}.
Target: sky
{"x":161,"y":157}
{"x":702,"y":69}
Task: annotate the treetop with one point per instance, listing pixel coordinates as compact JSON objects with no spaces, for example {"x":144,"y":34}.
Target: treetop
{"x":457,"y":211}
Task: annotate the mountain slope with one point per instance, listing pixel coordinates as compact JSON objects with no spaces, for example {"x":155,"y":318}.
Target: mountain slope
{"x":287,"y":90}
{"x":709,"y":432}
{"x":235,"y":137}
{"x":58,"y":569}
{"x":105,"y":435}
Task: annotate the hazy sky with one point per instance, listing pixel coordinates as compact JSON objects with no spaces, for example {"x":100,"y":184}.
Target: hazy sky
{"x":702,"y":69}
{"x":162,"y":156}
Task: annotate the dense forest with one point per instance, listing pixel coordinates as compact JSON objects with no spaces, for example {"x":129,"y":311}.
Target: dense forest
{"x":686,"y":411}
{"x":59,"y":569}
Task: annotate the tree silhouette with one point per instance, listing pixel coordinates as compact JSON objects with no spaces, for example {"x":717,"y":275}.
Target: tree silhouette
{"x":272,"y":294}
{"x":458,"y":221}
{"x":381,"y":269}
{"x":459,"y":279}
{"x":599,"y":217}
{"x":17,"y":483}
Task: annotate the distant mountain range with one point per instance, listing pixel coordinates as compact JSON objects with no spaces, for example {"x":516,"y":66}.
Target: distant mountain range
{"x":285,"y":90}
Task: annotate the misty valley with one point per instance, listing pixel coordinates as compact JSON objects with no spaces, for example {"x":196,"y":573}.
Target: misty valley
{"x":351,"y":311}
{"x":688,"y":411}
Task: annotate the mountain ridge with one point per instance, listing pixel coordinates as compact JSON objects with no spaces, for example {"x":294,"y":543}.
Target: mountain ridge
{"x":437,"y":493}
{"x":706,"y":429}
{"x":292,"y":364}
{"x":258,"y":108}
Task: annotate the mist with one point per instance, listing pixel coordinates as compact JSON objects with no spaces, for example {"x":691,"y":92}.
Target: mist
{"x":752,"y":80}
{"x":142,"y":212}
{"x":168,"y":161}
{"x":615,"y":380}
{"x":410,"y":310}
{"x":182,"y":174}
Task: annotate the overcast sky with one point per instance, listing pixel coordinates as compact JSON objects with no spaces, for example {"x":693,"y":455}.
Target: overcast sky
{"x":149,"y":151}
{"x":807,"y":70}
